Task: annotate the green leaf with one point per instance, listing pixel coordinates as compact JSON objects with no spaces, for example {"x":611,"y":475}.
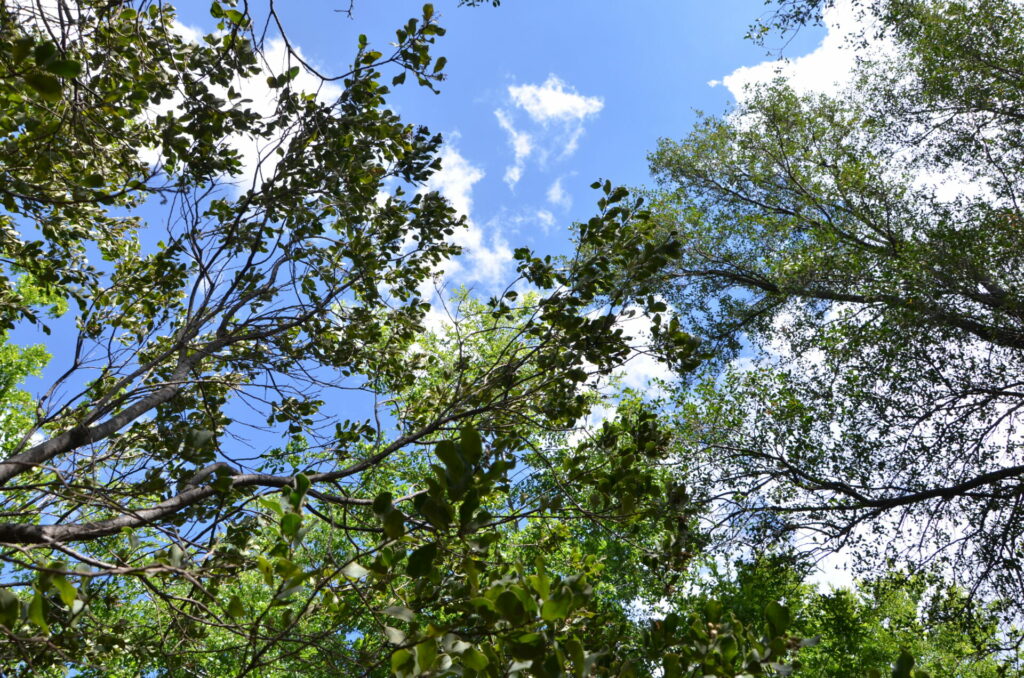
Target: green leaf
{"x":436,"y":512}
{"x":10,"y":608}
{"x":175,"y":555}
{"x":45,"y":51}
{"x":673,"y":666}
{"x":290,"y":523}
{"x":272,"y":504}
{"x":472,"y":446}
{"x":475,"y":659}
{"x":510,"y":607}
{"x":574,"y":648}
{"x":302,"y":484}
{"x":266,"y":569}
{"x":729,"y":648}
{"x":426,"y":653}
{"x":236,"y":608}
{"x":65,"y":68}
{"x":556,"y":608}
{"x":778,"y":617}
{"x":37,"y":611}
{"x":480,"y":601}
{"x":383,"y":503}
{"x":94,"y":180}
{"x":67,"y":591}
{"x":421,"y":560}
{"x":528,"y":646}
{"x":400,"y":659}
{"x":48,"y":87}
{"x":22,"y":48}
{"x":394,"y":524}
{"x":903,"y":665}
{"x":448,"y":453}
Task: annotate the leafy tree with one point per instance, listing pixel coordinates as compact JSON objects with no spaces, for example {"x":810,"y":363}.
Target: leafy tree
{"x":16,"y":364}
{"x":192,"y":494}
{"x":863,"y":254}
{"x":868,"y":626}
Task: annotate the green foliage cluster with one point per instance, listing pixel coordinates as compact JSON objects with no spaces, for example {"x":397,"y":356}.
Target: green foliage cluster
{"x":140,"y":532}
{"x":859,"y":630}
{"x":863,"y":253}
{"x":193,"y":495}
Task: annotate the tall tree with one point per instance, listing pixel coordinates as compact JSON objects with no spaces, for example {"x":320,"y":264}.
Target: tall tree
{"x":192,"y":493}
{"x":865,"y":253}
{"x":867,"y":625}
{"x":199,"y":492}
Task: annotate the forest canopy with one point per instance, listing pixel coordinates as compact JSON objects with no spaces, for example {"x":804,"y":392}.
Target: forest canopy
{"x":275,"y":444}
{"x":869,"y":249}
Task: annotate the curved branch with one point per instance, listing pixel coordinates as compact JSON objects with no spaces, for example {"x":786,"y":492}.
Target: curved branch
{"x":19,"y":533}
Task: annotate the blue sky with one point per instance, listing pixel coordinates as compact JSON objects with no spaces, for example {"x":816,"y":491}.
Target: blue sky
{"x":586,"y":88}
{"x":543,"y":98}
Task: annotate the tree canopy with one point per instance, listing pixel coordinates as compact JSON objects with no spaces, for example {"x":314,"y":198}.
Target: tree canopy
{"x":266,"y":452}
{"x":862,"y":254}
{"x":189,"y":494}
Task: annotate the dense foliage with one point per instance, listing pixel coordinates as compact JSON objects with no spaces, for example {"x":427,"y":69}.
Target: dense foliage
{"x":266,"y":453}
{"x":863,"y":255}
{"x":189,"y":495}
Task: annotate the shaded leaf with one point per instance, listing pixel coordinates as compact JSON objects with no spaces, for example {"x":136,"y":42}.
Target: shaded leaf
{"x":421,"y":560}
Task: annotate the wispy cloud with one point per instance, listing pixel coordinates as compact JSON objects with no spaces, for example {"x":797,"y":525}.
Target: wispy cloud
{"x":554,"y":100}
{"x":486,"y":255}
{"x":555,"y":113}
{"x":557,"y":195}
{"x":546,"y":219}
{"x":522,"y":146}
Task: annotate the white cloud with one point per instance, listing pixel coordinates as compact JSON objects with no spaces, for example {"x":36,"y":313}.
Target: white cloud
{"x":558,"y":196}
{"x":522,"y":146}
{"x":513,"y":173}
{"x":830,"y":69}
{"x":642,"y":368}
{"x":832,"y":572}
{"x":827,"y":70}
{"x":485,"y":256}
{"x":257,"y":155}
{"x":455,"y":180}
{"x":546,"y":219}
{"x":557,"y":113}
{"x":554,"y":100}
